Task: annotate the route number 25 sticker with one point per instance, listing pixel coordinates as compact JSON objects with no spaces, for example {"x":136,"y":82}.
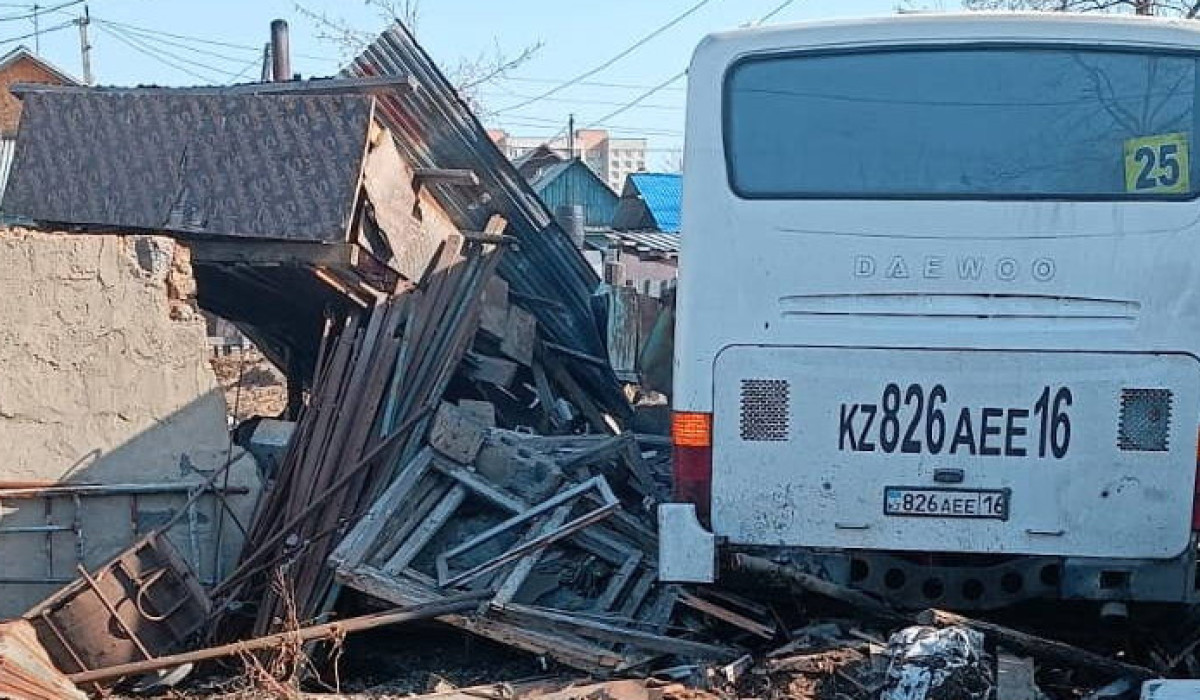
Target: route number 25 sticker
{"x":1157,"y":164}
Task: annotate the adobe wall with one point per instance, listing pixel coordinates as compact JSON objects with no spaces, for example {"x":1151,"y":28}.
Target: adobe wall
{"x":104,"y":379}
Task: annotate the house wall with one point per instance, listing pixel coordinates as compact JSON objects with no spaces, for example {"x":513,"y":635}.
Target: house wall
{"x":22,"y":70}
{"x":577,"y":185}
{"x":104,"y":379}
{"x":649,"y":275}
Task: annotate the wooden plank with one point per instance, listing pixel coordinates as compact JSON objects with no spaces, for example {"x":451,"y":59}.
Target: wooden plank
{"x":617,"y":583}
{"x":516,"y":578}
{"x":387,"y":180}
{"x":414,"y":589}
{"x":657,"y":616}
{"x":728,"y":616}
{"x":450,"y":176}
{"x":595,"y":540}
{"x":274,"y":253}
{"x":426,"y":531}
{"x":547,"y":401}
{"x":362,"y":538}
{"x":601,"y":630}
{"x":426,"y":497}
{"x":577,"y":395}
{"x":586,"y":520}
{"x":623,"y":336}
{"x":596,"y":483}
{"x":637,"y":594}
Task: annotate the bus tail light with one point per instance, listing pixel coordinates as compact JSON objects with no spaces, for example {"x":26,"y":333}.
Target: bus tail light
{"x":691,"y":436}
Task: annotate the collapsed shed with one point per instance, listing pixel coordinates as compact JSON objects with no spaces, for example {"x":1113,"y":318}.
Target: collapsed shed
{"x":458,"y":409}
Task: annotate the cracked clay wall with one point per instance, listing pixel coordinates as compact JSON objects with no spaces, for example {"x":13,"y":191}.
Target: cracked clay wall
{"x":104,"y":379}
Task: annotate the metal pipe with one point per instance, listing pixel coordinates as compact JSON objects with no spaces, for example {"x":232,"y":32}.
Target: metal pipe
{"x":114,"y":490}
{"x":33,"y":529}
{"x":445,"y":606}
{"x":281,"y":64}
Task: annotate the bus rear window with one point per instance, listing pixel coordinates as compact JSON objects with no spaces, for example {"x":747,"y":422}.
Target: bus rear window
{"x":996,"y":122}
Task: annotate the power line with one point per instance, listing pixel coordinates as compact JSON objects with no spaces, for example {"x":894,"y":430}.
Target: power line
{"x":538,"y":122}
{"x":39,"y":11}
{"x":634,"y":102}
{"x":782,"y":6}
{"x":133,"y":28}
{"x":585,"y":83}
{"x":55,"y":28}
{"x":254,"y":63}
{"x":174,"y":56}
{"x":589,"y":73}
{"x":159,"y":55}
{"x":608,"y":103}
{"x":663,"y":85}
{"x":149,"y":36}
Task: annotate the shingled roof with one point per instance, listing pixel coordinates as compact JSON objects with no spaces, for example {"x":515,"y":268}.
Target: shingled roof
{"x":191,"y":162}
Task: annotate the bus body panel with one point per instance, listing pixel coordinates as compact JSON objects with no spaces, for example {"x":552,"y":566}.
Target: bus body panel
{"x":995,"y":452}
{"x":991,"y":299}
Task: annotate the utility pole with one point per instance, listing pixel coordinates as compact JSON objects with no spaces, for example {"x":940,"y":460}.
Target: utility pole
{"x":85,"y":47}
{"x":571,"y":136}
{"x":1143,"y":7}
{"x":266,"y":76}
{"x":37,"y":31}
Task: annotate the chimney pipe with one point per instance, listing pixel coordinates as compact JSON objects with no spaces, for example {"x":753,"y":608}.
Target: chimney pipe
{"x":281,"y":65}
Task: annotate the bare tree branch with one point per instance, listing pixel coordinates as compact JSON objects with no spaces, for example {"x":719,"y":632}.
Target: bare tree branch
{"x":468,"y":75}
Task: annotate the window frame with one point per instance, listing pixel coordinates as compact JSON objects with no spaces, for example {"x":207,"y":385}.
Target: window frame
{"x":768,"y":56}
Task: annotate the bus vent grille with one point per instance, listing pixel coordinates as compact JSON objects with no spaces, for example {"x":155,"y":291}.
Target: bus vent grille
{"x":765,"y":410}
{"x":1145,"y":420}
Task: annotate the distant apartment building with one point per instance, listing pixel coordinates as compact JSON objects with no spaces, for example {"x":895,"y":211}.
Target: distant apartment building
{"x":611,"y":158}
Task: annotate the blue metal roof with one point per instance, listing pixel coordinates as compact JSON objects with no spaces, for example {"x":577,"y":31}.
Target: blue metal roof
{"x":663,"y":195}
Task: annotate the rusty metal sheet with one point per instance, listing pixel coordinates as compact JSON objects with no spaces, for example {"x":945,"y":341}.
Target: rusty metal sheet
{"x":26,"y":672}
{"x":434,"y":128}
{"x":144,"y":603}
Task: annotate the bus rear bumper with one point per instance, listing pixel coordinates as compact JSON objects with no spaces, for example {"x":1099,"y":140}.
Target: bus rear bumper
{"x":967,"y":582}
{"x":687,"y":551}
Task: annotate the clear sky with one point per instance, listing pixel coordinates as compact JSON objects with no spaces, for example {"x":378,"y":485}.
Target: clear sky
{"x":132,"y":44}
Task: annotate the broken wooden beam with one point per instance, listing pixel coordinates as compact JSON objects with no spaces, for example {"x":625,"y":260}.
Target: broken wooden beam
{"x":329,"y":630}
{"x":602,"y":630}
{"x":264,"y":253}
{"x":726,"y":615}
{"x":490,"y":238}
{"x":448,"y":176}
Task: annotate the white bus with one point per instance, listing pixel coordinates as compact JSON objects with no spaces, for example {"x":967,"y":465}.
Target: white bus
{"x":939,"y":307}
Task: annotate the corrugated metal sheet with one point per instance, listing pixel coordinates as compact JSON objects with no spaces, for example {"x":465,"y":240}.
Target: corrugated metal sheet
{"x":572,"y":182}
{"x":663,"y":195}
{"x":433,"y":127}
{"x":194,"y":162}
{"x":649,"y":241}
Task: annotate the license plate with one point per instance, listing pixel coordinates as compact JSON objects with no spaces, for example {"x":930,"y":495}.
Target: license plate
{"x":988,"y":504}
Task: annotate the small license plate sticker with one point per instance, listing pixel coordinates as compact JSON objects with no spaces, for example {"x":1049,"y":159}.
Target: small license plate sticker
{"x":980,"y":504}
